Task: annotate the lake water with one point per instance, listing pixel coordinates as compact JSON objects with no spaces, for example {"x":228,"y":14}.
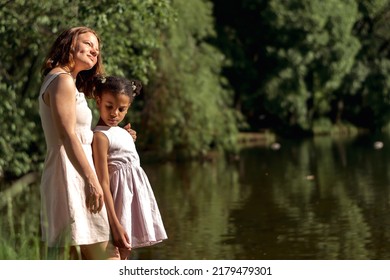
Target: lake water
{"x":316,"y":199}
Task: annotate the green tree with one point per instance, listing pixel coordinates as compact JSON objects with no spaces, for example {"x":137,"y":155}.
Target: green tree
{"x":187,"y":109}
{"x":242,"y":36}
{"x":141,"y":39}
{"x":130,"y":33}
{"x":365,"y":93}
{"x":315,"y":49}
{"x":286,"y":66}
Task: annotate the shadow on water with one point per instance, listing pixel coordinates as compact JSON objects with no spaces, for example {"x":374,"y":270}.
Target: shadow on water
{"x":315,"y":199}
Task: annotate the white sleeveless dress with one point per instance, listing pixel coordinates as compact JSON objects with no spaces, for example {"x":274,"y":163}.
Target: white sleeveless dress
{"x":134,"y":200}
{"x":65,"y":219}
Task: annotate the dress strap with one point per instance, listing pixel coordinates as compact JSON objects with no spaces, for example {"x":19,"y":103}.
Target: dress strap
{"x":49,"y":80}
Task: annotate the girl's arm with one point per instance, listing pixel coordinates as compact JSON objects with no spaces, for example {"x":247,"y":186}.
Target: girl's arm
{"x":61,"y":95}
{"x":100,"y":149}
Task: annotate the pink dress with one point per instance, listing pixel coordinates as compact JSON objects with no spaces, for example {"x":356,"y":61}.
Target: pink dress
{"x":135,"y":204}
{"x":65,"y":219}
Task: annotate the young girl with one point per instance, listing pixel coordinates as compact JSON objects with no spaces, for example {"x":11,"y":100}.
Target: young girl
{"x":133,"y":213}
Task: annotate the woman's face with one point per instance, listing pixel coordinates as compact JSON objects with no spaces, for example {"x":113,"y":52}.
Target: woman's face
{"x":86,"y":51}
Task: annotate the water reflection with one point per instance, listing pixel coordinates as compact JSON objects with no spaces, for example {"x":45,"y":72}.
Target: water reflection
{"x":320,"y":199}
{"x":317,"y":199}
{"x":195,"y":201}
{"x":340,"y":214}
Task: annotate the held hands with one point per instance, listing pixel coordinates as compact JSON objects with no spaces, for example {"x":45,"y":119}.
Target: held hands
{"x":132,"y":132}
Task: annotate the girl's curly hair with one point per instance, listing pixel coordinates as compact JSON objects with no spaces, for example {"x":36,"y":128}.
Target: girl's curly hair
{"x":117,"y":85}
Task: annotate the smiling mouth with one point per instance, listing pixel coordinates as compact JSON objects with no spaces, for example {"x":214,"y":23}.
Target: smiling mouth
{"x":92,"y":58}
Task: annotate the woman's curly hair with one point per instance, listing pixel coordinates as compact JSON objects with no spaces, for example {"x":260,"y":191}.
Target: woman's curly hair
{"x":61,"y":55}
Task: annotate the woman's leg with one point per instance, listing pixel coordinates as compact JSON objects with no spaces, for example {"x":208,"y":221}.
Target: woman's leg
{"x":74,"y":253}
{"x":61,"y":253}
{"x":99,"y":251}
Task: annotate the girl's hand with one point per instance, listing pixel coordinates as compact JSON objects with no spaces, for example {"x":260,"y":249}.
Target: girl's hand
{"x":120,"y":237}
{"x":132,"y":132}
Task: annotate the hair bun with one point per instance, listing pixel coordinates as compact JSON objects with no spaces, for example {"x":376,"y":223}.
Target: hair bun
{"x":100,"y":79}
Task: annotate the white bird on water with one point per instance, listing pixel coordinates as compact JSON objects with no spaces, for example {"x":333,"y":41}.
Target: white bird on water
{"x":275,"y":146}
{"x":378,"y":145}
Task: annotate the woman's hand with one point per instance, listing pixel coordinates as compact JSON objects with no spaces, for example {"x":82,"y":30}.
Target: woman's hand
{"x":132,"y":132}
{"x":94,"y":197}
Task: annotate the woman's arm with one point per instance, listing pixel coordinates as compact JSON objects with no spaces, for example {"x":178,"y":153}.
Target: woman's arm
{"x":100,"y":149}
{"x":63,"y":108}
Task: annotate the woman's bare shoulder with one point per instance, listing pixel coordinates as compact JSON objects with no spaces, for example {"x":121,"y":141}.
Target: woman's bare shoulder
{"x":62,"y":81}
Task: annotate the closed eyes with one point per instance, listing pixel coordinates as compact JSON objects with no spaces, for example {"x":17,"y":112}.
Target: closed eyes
{"x":89,"y":43}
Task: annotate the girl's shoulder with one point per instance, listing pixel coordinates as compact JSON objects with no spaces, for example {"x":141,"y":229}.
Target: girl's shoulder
{"x":109,"y":131}
{"x":112,"y":130}
{"x":101,"y":128}
{"x":101,"y":134}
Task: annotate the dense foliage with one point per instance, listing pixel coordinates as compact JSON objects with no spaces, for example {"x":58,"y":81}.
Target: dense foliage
{"x":28,"y":28}
{"x":133,"y":33}
{"x":188,"y":110}
{"x":294,"y":66}
{"x":298,"y":64}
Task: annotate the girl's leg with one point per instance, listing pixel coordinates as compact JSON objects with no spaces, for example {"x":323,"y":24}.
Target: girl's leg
{"x":125,"y":253}
{"x":113,"y":252}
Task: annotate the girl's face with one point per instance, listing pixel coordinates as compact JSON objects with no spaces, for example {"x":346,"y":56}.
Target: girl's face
{"x":86,"y":51}
{"x":112,"y":108}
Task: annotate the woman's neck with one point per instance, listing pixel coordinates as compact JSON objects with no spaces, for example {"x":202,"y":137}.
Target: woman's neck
{"x":73,"y":73}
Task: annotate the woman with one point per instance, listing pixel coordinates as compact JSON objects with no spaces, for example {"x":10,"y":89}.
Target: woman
{"x":73,"y":213}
